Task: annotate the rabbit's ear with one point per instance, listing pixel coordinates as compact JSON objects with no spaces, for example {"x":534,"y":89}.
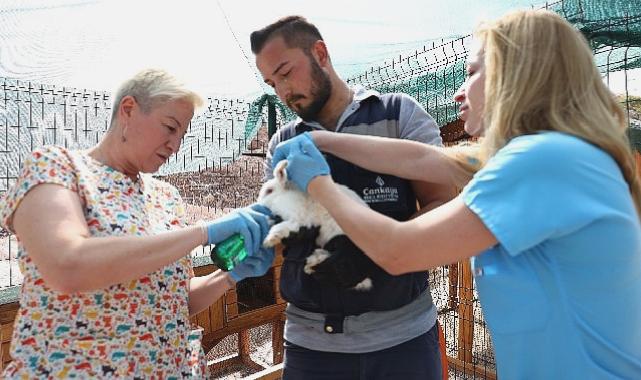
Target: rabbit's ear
{"x":279,"y":172}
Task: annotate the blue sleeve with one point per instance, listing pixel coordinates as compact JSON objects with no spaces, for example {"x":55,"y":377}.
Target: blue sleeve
{"x":540,"y":187}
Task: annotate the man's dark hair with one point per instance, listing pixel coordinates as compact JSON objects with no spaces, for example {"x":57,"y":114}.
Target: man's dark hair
{"x":296,"y":31}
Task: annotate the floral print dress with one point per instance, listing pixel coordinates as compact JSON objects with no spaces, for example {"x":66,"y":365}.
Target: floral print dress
{"x":138,"y":329}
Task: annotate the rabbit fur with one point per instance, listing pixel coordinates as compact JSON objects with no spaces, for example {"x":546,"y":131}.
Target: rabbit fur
{"x":297,"y":209}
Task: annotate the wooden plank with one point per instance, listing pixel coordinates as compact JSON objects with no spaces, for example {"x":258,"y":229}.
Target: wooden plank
{"x":245,"y":321}
{"x":277,"y":296}
{"x":244,"y":346}
{"x":244,"y":350}
{"x":466,"y":313}
{"x":278,"y":257}
{"x":204,"y":270}
{"x":257,"y":317}
{"x":8,"y":312}
{"x":231,"y":304}
{"x":6,"y":331}
{"x":217,"y":322}
{"x":202,"y":320}
{"x":278,"y":264}
{"x":231,"y":311}
{"x":6,"y":357}
{"x":231,"y":297}
{"x":278,"y":340}
{"x":217,"y":315}
{"x":471,"y":369}
{"x":443,"y":348}
{"x":453,"y":278}
{"x":274,"y":372}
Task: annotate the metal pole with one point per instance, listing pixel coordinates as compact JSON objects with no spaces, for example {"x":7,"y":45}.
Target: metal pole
{"x":271,"y":117}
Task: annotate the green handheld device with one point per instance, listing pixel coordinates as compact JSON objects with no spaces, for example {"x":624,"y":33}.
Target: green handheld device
{"x":229,"y":252}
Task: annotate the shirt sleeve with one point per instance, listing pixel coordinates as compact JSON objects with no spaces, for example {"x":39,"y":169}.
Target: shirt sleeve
{"x":416,"y":124}
{"x":179,"y":207}
{"x":271,"y":147}
{"x":180,"y":221}
{"x":48,"y":164}
{"x":284,"y":133}
{"x":537,"y":188}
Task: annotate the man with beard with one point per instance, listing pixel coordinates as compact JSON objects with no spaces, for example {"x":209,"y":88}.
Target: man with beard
{"x":334,"y":331}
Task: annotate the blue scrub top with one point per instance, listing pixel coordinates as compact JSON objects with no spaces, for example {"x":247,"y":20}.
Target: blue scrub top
{"x":561,"y":291}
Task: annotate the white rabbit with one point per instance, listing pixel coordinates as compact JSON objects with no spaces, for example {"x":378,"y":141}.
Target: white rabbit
{"x":297,"y":209}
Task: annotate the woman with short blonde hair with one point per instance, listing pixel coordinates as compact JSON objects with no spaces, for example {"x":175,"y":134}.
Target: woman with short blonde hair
{"x":105,"y":251}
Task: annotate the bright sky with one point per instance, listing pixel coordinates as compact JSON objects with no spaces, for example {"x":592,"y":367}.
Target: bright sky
{"x":96,"y":44}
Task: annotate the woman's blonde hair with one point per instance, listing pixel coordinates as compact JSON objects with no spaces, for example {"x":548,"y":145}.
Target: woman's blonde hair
{"x":540,"y":75}
{"x":152,"y":87}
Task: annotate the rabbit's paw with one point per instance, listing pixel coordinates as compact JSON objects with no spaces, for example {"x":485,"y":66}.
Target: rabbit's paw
{"x":364,"y":285}
{"x":314,"y":259}
{"x":276,"y":234}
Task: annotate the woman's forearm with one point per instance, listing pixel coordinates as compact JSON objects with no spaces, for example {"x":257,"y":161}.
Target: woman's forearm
{"x":401,"y":247}
{"x":113,"y":260}
{"x":403,"y":158}
{"x":51,"y":225}
{"x":205,"y":290}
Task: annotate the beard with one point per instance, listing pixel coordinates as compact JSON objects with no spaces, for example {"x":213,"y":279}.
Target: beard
{"x":319,"y":94}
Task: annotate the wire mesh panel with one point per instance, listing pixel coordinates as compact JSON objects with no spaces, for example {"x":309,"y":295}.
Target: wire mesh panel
{"x":431,"y":76}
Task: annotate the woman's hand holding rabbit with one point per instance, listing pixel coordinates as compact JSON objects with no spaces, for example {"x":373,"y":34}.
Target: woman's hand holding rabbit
{"x":304,"y":159}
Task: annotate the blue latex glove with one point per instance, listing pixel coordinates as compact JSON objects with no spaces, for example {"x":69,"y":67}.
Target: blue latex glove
{"x":251,"y":222}
{"x":253,"y":266}
{"x":257,"y":263}
{"x":304,"y":160}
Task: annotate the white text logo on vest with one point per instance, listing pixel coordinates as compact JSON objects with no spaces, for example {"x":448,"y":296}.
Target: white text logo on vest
{"x":381,"y":193}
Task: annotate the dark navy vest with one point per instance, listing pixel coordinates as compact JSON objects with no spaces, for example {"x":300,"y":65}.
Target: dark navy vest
{"x":386,"y":194}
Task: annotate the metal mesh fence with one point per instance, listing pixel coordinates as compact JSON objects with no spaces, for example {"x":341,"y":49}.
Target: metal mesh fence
{"x":433,"y":74}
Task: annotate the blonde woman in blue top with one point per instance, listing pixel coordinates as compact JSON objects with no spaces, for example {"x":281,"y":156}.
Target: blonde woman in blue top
{"x":549,"y":212}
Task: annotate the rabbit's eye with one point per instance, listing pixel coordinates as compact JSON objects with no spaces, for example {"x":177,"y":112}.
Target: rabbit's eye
{"x":268,"y":191}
